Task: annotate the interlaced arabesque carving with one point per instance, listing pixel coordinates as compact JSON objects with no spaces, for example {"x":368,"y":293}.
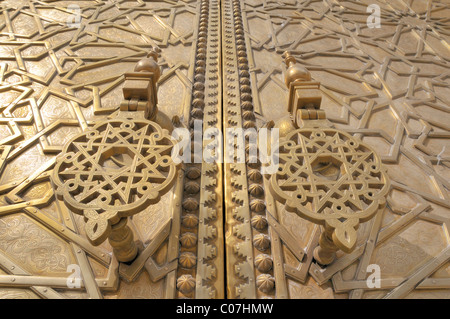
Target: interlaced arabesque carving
{"x":330,"y":178}
{"x":113,"y":171}
{"x":387,"y":86}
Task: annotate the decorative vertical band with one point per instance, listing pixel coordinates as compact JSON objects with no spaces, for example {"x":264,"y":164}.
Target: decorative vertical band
{"x":210,"y":268}
{"x":240,"y":268}
{"x":201,"y":272}
{"x":249,"y":256}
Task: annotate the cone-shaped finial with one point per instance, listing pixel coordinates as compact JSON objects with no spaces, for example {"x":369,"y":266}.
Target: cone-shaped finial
{"x":295,"y":72}
{"x":149,"y":64}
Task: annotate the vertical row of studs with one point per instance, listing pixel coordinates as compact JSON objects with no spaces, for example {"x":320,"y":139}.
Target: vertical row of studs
{"x":265,"y":281}
{"x":210,"y":265}
{"x":240,"y":262}
{"x":186,"y":281}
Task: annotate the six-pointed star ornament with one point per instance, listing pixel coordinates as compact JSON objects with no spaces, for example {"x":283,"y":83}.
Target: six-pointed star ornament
{"x":114,"y":170}
{"x":330,"y":178}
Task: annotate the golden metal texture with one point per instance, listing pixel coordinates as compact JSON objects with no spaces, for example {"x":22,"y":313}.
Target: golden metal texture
{"x":386,"y":88}
{"x":66,"y":66}
{"x":325,"y":175}
{"x":63,"y":79}
{"x":113,"y":171}
{"x":329,"y":178}
{"x":120,"y":166}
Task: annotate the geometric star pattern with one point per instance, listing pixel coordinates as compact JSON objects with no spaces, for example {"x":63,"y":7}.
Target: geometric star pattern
{"x":329,"y":178}
{"x":388,"y":87}
{"x":140,"y":170}
{"x":84,"y":172}
{"x":57,"y":79}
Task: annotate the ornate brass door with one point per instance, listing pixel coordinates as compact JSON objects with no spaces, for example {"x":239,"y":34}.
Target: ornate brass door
{"x":227,"y":230}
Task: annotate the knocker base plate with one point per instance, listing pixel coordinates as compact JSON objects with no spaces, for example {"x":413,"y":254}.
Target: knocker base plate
{"x":331,"y":179}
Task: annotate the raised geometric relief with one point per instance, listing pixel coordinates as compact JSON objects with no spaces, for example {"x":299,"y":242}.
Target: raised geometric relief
{"x":324,"y":175}
{"x":386,"y":87}
{"x":121,"y":166}
{"x":58,"y":79}
{"x":114,"y":171}
{"x":348,"y":187}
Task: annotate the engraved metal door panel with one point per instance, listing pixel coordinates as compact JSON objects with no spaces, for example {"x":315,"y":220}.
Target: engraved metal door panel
{"x":62,"y":71}
{"x":388,"y":87}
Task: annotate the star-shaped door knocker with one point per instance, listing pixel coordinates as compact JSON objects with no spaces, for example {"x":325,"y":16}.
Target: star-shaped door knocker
{"x":120,"y":166}
{"x":325,"y":175}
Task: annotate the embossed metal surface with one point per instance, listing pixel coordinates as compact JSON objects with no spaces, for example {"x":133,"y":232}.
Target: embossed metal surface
{"x":113,"y":171}
{"x":387,"y":87}
{"x":330,"y":178}
{"x":58,"y":78}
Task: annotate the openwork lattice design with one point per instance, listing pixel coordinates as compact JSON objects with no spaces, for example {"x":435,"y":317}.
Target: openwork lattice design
{"x":113,"y":171}
{"x":330,"y":178}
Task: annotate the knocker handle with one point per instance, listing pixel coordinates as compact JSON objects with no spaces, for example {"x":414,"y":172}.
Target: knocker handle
{"x":326,"y":175}
{"x":122,"y":242}
{"x":120,"y":166}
